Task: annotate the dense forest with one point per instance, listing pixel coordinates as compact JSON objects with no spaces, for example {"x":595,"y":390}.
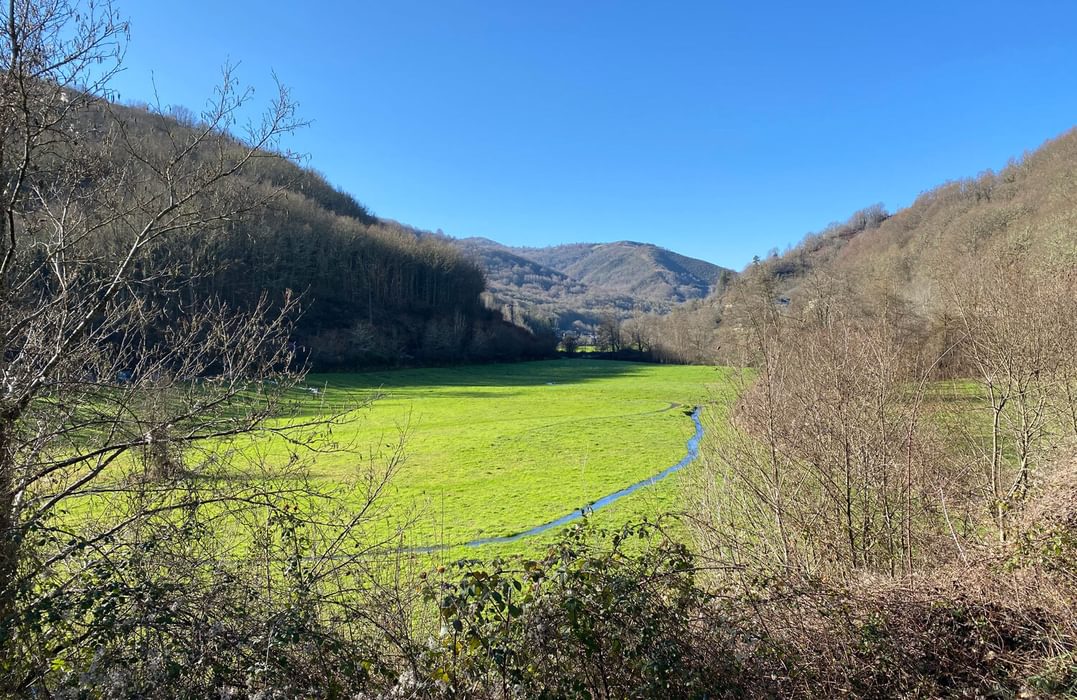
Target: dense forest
{"x":369,"y":292}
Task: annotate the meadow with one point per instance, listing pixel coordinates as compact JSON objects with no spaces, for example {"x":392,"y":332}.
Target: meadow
{"x":493,"y":450}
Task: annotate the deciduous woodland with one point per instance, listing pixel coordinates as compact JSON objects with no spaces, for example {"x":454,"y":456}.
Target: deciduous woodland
{"x":885,"y":504}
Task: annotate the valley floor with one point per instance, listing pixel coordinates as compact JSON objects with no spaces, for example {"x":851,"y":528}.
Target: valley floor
{"x":494,"y":450}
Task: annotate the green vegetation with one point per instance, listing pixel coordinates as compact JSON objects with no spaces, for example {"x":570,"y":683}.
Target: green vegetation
{"x":493,"y":450}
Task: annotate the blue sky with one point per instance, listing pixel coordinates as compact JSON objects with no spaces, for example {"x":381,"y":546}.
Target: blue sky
{"x":717,"y":129}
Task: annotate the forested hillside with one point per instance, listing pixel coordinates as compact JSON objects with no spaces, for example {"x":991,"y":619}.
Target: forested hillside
{"x":1027,"y":206}
{"x":1004,"y":229}
{"x":913,"y":411}
{"x":370,"y":292}
{"x":584,"y":282}
{"x":641,"y":270}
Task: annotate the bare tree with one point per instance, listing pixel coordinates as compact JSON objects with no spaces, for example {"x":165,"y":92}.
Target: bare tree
{"x":608,"y":336}
{"x":638,"y":331}
{"x":1016,"y":312}
{"x":829,"y":463}
{"x":135,"y":464}
{"x":741,"y":505}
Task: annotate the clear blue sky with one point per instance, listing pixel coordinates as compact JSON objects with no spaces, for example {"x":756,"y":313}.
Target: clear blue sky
{"x":717,"y":129}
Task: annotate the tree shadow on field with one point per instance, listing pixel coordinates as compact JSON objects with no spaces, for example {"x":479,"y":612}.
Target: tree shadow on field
{"x":447,"y":393}
{"x":522,"y":374}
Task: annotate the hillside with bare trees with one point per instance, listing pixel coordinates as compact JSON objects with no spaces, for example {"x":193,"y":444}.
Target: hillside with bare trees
{"x":367,"y":292}
{"x":1030,"y":205}
{"x":581,"y":283}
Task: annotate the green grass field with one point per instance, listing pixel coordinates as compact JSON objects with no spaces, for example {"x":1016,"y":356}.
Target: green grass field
{"x":493,"y":450}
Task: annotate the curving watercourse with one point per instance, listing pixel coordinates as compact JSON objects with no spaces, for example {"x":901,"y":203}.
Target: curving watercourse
{"x":692,"y":452}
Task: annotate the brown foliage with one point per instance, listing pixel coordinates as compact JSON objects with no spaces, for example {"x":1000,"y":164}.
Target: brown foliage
{"x":829,"y":463}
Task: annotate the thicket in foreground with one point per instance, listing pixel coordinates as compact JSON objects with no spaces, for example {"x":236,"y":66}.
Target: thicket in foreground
{"x":634,"y":613}
{"x":147,"y":538}
{"x":852,"y":471}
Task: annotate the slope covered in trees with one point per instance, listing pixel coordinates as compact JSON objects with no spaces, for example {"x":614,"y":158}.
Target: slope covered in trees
{"x":371,"y":292}
{"x":585,"y":282}
{"x":642,"y":270}
{"x":920,"y":260}
{"x":1029,"y":204}
{"x":913,"y":410}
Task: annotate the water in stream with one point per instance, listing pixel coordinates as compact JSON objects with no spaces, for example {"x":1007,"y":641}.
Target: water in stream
{"x":690,"y":456}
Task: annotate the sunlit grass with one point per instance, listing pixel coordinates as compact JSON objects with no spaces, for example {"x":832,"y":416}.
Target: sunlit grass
{"x":497,"y":449}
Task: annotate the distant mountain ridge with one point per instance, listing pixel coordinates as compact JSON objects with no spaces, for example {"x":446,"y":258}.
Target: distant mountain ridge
{"x":581,"y":281}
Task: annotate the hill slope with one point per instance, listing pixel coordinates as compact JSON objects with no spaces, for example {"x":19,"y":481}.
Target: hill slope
{"x":1029,"y":204}
{"x":582,"y":281}
{"x":373,"y":292}
{"x":640,"y":270}
{"x":912,"y":261}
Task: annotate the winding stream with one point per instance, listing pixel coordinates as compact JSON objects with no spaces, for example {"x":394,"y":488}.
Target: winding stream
{"x":692,"y":452}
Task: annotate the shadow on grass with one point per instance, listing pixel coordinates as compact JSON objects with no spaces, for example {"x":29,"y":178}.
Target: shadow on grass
{"x":523,"y":374}
{"x":446,"y":394}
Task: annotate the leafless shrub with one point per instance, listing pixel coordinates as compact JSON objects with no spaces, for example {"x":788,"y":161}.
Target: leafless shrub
{"x":148,"y":536}
{"x":829,"y":462}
